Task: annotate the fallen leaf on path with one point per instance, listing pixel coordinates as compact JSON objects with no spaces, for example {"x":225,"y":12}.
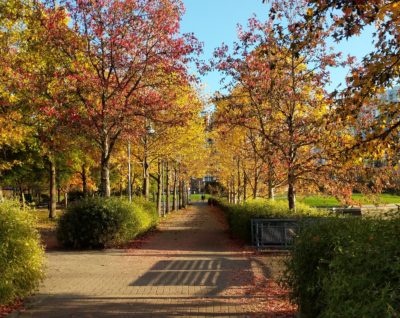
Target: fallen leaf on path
{"x":6,"y":310}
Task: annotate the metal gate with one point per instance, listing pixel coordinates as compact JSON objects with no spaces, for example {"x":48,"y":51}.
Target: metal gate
{"x":273,"y":232}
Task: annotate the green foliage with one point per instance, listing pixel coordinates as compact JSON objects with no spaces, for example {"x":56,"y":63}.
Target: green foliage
{"x":326,"y":201}
{"x":346,"y":267}
{"x":21,"y":255}
{"x":240,"y":215}
{"x":145,"y":214}
{"x":103,"y":222}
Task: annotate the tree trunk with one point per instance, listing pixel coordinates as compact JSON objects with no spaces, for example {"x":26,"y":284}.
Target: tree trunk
{"x":175,"y":195}
{"x":180,"y":194}
{"x":187,"y":192}
{"x":271,"y":188}
{"x":291,"y":192}
{"x":66,"y":199}
{"x":230,"y":192}
{"x":53,"y":189}
{"x":105,"y":189}
{"x":146,"y":178}
{"x":238,"y":181}
{"x":162,"y":188}
{"x":129,"y":188}
{"x":23,"y":199}
{"x":84,"y":181}
{"x":1,"y":195}
{"x":231,"y":200}
{"x":244,"y":187}
{"x":234,"y":191}
{"x":105,"y":179}
{"x":255,"y":188}
{"x":271,"y":191}
{"x":184,"y":195}
{"x":159,"y":189}
{"x":167,"y":186}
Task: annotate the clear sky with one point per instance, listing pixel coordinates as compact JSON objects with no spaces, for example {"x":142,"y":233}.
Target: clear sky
{"x":215,"y":22}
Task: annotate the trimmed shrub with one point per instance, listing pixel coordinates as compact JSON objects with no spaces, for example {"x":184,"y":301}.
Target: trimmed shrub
{"x":239,"y":215}
{"x":346,"y":268}
{"x":104,"y":222}
{"x":145,"y":218}
{"x":21,"y":254}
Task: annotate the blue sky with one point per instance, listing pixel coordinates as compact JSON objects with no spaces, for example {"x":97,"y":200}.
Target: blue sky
{"x":215,"y":22}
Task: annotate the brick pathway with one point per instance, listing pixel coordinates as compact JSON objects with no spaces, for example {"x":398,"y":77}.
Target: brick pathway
{"x":190,"y":268}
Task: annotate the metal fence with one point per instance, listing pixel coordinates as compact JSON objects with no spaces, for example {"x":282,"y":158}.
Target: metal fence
{"x":273,"y":233}
{"x":347,"y":211}
{"x":279,"y":233}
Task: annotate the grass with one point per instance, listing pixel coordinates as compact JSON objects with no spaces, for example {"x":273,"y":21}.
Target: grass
{"x":384,"y":198}
{"x":47,"y":227}
{"x":42,"y":218}
{"x":320,"y":200}
{"x":316,"y":200}
{"x":197,"y":197}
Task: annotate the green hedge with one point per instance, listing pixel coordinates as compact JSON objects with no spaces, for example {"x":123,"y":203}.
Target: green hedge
{"x":346,"y":268}
{"x":101,"y":222}
{"x":239,"y":215}
{"x":21,"y":254}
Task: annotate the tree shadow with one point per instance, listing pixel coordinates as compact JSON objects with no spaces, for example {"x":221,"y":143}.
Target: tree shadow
{"x":77,"y":306}
{"x":217,"y":273}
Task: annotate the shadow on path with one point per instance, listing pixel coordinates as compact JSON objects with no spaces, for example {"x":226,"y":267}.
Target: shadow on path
{"x":189,"y":268}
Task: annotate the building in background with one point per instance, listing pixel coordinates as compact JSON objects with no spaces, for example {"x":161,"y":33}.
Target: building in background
{"x":199,"y":185}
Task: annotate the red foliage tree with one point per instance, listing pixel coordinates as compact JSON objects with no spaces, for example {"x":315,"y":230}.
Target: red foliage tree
{"x":125,"y":56}
{"x":278,"y":71}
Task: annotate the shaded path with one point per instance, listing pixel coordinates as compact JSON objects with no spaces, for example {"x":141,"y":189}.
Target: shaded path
{"x":190,"y":268}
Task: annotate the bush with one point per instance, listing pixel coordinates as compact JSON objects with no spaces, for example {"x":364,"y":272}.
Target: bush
{"x":75,"y":196}
{"x":346,"y":268}
{"x":104,"y":222}
{"x":239,"y":215}
{"x":21,"y":254}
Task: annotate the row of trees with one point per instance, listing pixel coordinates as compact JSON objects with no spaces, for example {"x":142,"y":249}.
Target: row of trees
{"x":80,"y":80}
{"x":278,"y":125}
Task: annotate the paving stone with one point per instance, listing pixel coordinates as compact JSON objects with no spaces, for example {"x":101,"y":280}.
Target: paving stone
{"x":189,"y":268}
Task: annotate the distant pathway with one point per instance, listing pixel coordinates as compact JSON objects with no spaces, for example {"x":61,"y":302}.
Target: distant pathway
{"x":189,"y":268}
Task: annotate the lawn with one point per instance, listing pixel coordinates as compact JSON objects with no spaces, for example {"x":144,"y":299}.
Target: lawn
{"x":197,"y":197}
{"x":42,"y":217}
{"x":320,"y":200}
{"x":46,"y":227}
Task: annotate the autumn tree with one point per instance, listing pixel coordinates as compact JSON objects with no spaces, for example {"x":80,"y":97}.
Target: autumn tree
{"x":13,"y":134}
{"x":33,"y":77}
{"x":125,"y":51}
{"x":279,"y":72}
{"x":378,"y":70}
{"x":171,"y":141}
{"x":253,"y":149}
{"x":362,"y":105}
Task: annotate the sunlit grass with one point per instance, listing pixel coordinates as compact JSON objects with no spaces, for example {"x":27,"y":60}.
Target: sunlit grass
{"x":197,"y":197}
{"x":42,"y":218}
{"x":320,"y":200}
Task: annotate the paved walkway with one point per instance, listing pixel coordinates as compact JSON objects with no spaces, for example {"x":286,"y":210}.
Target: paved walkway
{"x":189,"y":268}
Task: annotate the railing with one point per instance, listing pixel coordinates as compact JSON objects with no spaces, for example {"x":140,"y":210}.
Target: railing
{"x":273,"y":233}
{"x":279,"y":233}
{"x":347,"y":211}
